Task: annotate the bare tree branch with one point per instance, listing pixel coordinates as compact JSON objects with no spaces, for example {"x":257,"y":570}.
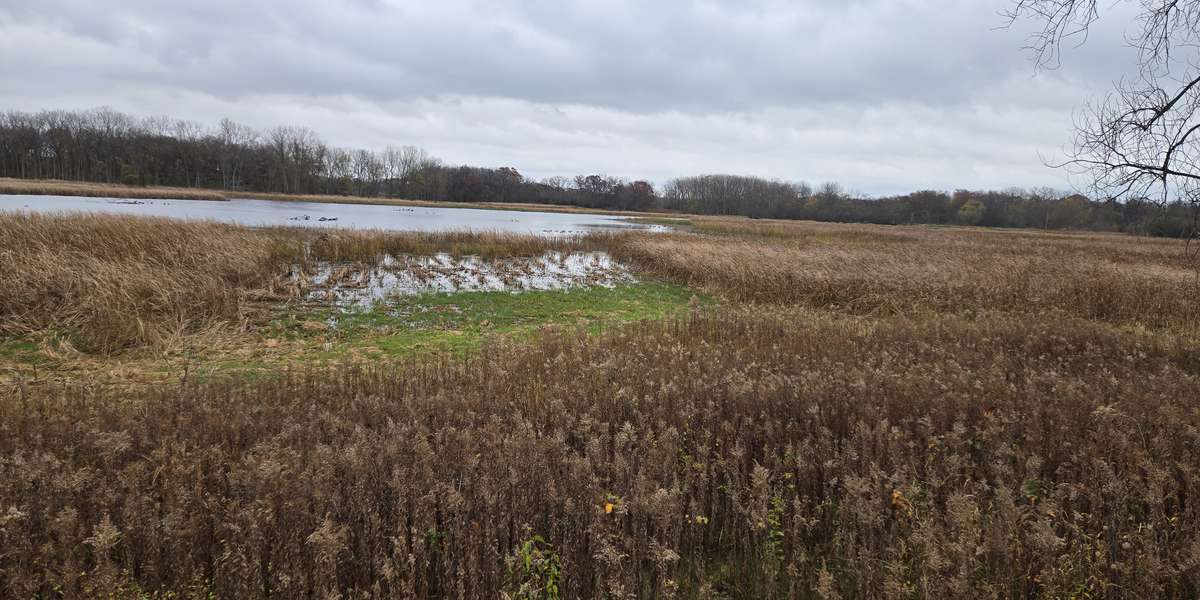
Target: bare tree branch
{"x":1139,"y":140}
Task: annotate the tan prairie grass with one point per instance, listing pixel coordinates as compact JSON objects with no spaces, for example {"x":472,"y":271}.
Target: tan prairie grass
{"x":112,"y":282}
{"x":1112,"y":246}
{"x":54,"y":187}
{"x":794,"y":231}
{"x":870,"y":269}
{"x":764,"y":453}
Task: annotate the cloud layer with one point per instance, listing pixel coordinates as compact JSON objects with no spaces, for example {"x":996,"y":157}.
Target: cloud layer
{"x":882,"y":95}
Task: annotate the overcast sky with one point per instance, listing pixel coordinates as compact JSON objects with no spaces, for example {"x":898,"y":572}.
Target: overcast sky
{"x":882,"y":95}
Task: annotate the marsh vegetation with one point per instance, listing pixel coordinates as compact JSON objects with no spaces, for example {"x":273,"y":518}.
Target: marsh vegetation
{"x":773,"y":409}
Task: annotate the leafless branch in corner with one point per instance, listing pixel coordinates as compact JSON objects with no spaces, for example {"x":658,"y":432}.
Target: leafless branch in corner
{"x":1140,"y":140}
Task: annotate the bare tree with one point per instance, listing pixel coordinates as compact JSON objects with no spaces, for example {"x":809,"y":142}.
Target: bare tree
{"x":558,"y":182}
{"x":190,"y":135}
{"x":413,"y":159}
{"x":393,"y":169}
{"x":235,"y":141}
{"x":1140,"y":141}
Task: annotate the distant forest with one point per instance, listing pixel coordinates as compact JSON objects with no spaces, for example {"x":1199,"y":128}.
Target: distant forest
{"x":106,"y":146}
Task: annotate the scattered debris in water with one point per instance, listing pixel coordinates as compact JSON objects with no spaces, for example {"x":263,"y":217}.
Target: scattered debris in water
{"x":353,"y":285}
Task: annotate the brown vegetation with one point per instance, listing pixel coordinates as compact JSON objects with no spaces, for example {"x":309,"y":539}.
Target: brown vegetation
{"x":899,"y":412}
{"x":115,"y":281}
{"x":869,"y":269}
{"x":369,"y":246}
{"x":737,"y":454}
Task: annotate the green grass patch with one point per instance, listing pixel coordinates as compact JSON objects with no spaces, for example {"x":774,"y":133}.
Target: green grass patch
{"x":459,"y":323}
{"x":456,"y":324}
{"x":20,"y":351}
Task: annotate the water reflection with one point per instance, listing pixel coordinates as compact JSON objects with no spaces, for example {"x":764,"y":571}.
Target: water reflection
{"x":321,"y":214}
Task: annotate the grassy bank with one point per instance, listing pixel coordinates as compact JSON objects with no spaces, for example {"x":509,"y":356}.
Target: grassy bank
{"x":777,"y":410}
{"x":738,"y":454}
{"x":864,"y":269}
{"x":54,"y":187}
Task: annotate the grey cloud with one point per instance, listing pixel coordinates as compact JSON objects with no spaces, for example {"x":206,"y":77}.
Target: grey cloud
{"x":883,"y":94}
{"x":646,"y":56}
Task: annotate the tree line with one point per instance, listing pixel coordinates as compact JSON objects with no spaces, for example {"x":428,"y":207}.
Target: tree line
{"x":106,"y":146}
{"x":1041,"y":208}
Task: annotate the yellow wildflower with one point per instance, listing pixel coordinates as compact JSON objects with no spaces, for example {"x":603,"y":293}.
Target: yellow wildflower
{"x":900,"y":504}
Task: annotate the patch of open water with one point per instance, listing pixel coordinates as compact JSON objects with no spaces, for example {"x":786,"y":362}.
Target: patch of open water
{"x":257,"y":213}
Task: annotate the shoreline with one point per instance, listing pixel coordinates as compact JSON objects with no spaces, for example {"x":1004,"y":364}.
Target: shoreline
{"x":53,"y":187}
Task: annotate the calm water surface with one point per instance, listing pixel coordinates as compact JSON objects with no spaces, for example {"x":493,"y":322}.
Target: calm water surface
{"x":320,"y":214}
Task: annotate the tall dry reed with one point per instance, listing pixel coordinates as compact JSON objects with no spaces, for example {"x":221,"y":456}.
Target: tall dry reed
{"x":367,"y":246}
{"x":113,"y":281}
{"x":786,"y":454}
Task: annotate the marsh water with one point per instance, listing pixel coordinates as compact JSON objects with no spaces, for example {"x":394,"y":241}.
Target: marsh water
{"x":322,"y":214}
{"x":358,"y":286}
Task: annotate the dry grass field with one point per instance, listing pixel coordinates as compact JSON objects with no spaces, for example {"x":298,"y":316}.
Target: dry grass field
{"x":866,"y":269}
{"x":838,"y":412}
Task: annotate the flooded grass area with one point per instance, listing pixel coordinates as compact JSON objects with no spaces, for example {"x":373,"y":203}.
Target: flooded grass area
{"x":356,"y":284}
{"x":460,"y":322}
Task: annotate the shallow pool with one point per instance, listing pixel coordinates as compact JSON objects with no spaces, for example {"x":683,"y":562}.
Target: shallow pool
{"x":322,"y":214}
